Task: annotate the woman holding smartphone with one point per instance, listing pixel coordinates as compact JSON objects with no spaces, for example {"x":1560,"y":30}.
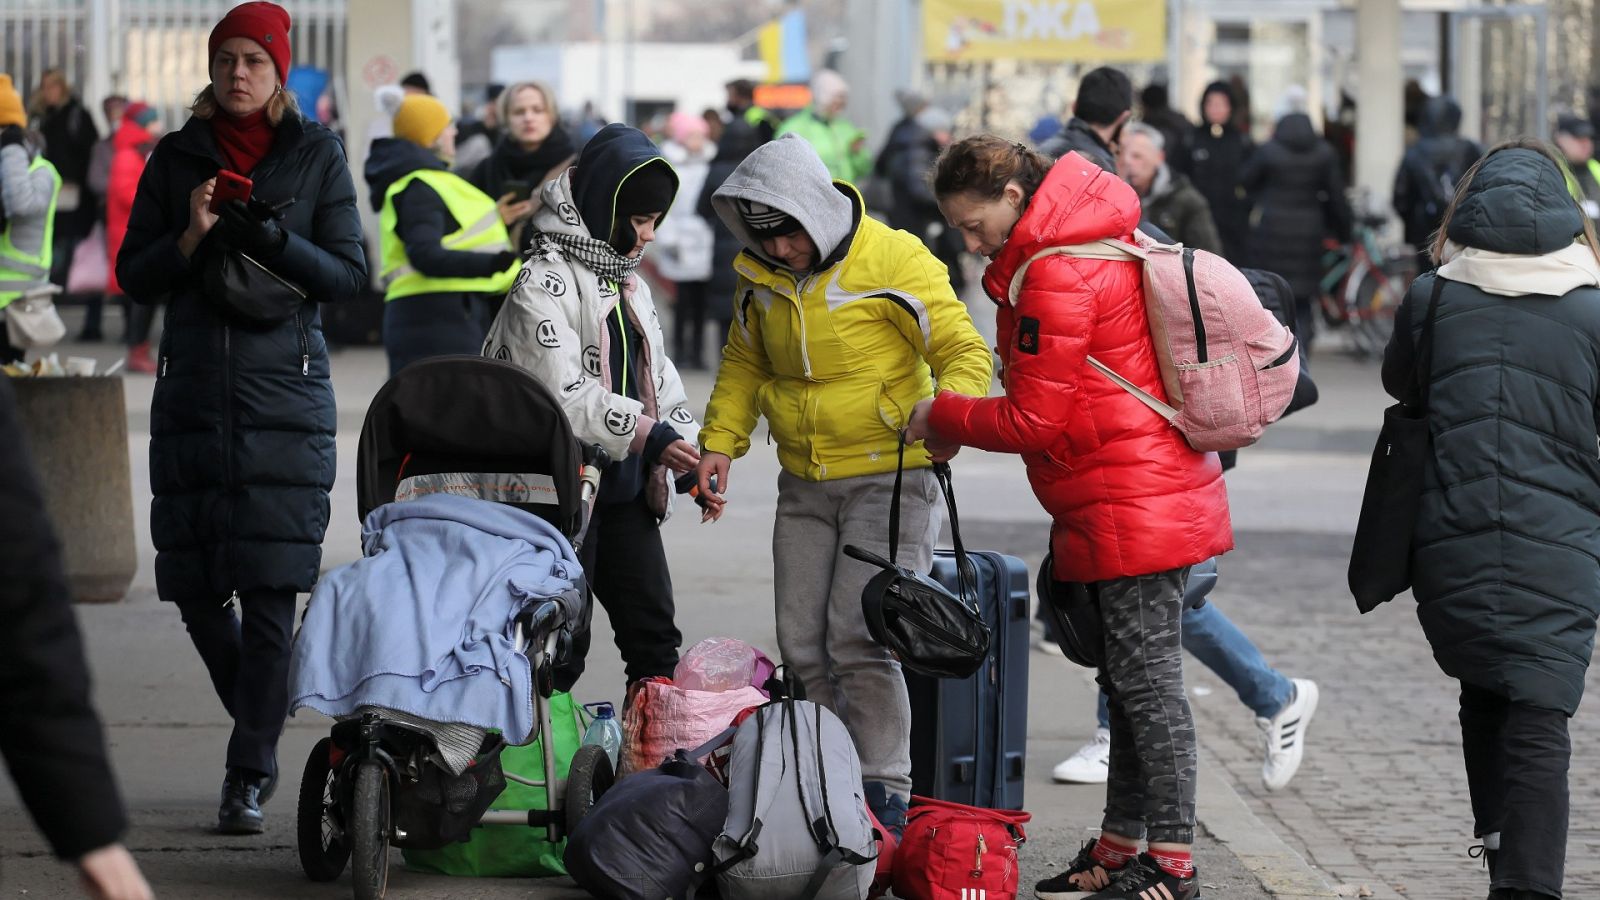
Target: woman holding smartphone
{"x":533,"y":151}
{"x":242,"y":419}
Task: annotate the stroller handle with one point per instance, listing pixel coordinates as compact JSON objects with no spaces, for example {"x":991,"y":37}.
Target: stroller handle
{"x":595,"y":461}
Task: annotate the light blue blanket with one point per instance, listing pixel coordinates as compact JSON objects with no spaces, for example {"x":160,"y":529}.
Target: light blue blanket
{"x":423,"y":623}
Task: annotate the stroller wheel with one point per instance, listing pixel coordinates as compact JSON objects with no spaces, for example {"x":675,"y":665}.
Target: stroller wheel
{"x":369,"y":831}
{"x":324,"y":849}
{"x":588,"y":778}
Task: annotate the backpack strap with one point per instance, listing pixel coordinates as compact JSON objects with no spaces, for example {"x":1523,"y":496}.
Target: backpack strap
{"x":1111,"y":249}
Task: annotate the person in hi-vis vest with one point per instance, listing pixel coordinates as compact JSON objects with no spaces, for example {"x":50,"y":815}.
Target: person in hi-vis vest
{"x":29,"y":188}
{"x":446,"y":254}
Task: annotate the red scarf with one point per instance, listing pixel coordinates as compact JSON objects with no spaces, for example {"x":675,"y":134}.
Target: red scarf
{"x":242,"y":141}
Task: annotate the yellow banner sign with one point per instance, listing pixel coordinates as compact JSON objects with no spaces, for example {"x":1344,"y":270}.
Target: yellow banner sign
{"x":1048,"y":30}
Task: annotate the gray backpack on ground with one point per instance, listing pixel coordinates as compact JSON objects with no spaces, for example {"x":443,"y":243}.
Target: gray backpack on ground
{"x":797,"y":826}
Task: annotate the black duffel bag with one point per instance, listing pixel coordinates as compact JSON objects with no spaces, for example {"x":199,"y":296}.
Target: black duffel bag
{"x":930,"y":630}
{"x":650,"y":836}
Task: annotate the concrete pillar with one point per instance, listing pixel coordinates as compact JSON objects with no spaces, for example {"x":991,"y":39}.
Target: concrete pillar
{"x":877,"y":68}
{"x":77,"y":429}
{"x":1380,"y":119}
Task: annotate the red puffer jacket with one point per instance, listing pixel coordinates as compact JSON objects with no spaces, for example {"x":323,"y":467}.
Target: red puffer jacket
{"x":1128,"y":495}
{"x":132,"y":142}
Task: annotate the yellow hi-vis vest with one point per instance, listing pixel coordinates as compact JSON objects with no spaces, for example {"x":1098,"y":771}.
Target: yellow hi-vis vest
{"x":1572,"y":180}
{"x":19,"y":271}
{"x":481,"y":231}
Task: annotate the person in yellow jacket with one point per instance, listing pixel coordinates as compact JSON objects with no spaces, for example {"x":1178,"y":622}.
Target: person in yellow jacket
{"x":29,"y":188}
{"x":837,"y":322}
{"x":447,"y":260}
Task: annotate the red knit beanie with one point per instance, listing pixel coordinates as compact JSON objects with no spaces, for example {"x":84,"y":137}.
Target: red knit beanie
{"x":265,"y":23}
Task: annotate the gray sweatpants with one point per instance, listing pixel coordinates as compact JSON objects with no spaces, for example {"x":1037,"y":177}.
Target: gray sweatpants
{"x":821,"y":632}
{"x":1150,"y":788}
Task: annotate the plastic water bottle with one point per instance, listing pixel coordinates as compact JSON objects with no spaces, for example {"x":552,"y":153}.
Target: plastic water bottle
{"x":605,"y":731}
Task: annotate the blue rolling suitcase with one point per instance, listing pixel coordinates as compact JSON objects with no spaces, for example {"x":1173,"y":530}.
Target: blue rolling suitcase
{"x":969,"y":736}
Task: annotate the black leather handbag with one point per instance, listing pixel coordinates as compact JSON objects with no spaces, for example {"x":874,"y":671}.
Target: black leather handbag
{"x":1380,"y":559}
{"x":248,"y":291}
{"x":1074,"y":613}
{"x":930,"y":630}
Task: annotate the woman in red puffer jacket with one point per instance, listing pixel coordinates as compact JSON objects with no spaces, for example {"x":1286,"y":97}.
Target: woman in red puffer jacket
{"x":1134,"y":505}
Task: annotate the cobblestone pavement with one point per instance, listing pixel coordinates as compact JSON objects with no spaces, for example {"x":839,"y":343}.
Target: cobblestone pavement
{"x":1381,"y":797}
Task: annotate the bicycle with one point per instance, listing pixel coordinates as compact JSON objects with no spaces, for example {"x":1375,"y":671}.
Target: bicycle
{"x":1364,"y":284}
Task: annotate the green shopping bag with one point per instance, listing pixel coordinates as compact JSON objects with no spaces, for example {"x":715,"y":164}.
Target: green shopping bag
{"x":513,"y":851}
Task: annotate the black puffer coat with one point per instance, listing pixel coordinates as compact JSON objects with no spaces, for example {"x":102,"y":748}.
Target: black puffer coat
{"x":242,"y":422}
{"x":1299,"y":200}
{"x":1507,"y":561}
{"x":739,"y":140}
{"x":1214,"y":158}
{"x":1430,"y":170}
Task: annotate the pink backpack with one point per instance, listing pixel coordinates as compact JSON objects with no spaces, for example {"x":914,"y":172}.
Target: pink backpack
{"x":1228,"y":364}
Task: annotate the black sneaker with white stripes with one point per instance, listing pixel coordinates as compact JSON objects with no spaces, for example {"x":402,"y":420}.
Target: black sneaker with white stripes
{"x":1143,"y":879}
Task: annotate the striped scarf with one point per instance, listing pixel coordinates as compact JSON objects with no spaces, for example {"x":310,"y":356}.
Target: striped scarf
{"x":597,"y":256}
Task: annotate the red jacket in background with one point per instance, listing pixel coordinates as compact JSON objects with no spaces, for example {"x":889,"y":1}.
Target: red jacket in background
{"x":132,"y":144}
{"x":1128,"y":495}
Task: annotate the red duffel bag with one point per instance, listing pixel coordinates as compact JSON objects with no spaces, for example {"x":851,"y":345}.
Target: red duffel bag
{"x":956,"y":852}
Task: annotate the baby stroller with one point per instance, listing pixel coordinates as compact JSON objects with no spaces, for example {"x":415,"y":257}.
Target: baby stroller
{"x":380,"y":779}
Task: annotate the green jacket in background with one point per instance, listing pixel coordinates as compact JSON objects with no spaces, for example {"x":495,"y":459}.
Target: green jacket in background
{"x":832,"y":139}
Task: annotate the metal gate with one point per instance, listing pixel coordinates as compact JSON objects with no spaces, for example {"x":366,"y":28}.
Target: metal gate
{"x":150,"y":50}
{"x":1501,"y":71}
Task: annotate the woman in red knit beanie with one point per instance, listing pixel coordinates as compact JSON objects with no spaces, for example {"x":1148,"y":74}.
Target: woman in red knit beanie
{"x":242,"y":418}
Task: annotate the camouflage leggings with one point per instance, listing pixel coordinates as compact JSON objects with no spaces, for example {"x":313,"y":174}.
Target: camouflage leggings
{"x":1150,"y":789}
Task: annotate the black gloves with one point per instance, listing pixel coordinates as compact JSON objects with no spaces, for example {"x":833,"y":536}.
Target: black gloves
{"x":252,"y":228}
{"x":11,"y":134}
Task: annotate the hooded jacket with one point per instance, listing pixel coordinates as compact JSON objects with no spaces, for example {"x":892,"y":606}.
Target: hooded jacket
{"x":1214,"y":158}
{"x":1128,"y":495}
{"x":559,"y":322}
{"x":1430,"y":169}
{"x":1506,"y":553}
{"x":835,"y":357}
{"x":131,"y":147}
{"x":1299,"y":200}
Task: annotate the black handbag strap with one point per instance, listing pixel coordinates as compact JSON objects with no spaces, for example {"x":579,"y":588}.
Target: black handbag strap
{"x":1422,"y":372}
{"x":965,"y":578}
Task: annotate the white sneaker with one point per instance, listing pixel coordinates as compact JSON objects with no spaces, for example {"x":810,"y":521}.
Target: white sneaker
{"x":1284,"y":735}
{"x":1090,"y":765}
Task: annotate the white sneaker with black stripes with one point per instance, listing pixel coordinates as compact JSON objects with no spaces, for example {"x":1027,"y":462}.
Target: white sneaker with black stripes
{"x":1284,"y":735}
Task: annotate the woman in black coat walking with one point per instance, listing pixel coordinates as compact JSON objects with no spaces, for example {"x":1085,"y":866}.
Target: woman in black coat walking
{"x":1506,"y":554}
{"x":242,"y":420}
{"x":1214,"y":156}
{"x":1299,"y":201}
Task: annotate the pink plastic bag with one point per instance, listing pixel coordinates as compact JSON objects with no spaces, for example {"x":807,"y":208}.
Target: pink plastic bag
{"x":722,"y":664}
{"x":662,"y":718}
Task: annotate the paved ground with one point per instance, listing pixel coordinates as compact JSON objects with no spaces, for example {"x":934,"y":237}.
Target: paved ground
{"x":1380,"y":803}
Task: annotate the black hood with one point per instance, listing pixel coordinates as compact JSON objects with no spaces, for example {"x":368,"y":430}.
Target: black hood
{"x":612,"y":156}
{"x":1517,"y":203}
{"x":1296,"y":132}
{"x":392,"y":159}
{"x":1223,"y":88}
{"x":1440,"y":116}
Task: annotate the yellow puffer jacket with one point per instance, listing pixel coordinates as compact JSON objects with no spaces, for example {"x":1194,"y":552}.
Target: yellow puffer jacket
{"x":836,"y":359}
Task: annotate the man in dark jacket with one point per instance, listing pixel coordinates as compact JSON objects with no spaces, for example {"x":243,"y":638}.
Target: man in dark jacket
{"x":1215,"y":156}
{"x":1507,"y":536}
{"x":1575,"y":138}
{"x":1155,"y":109}
{"x":915,"y":209}
{"x":1299,"y":198}
{"x":1429,"y":171}
{"x":49,"y":734}
{"x":1104,"y":105}
{"x":1168,"y":200}
{"x":738,"y":141}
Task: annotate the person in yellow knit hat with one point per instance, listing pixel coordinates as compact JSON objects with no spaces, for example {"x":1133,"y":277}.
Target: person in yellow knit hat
{"x":446,"y":255}
{"x":29,"y":189}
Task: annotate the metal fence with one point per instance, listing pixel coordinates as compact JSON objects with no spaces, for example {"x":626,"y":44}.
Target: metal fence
{"x":150,"y":50}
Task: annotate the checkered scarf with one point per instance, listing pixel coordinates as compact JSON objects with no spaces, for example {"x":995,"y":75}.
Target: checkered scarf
{"x":598,"y":257}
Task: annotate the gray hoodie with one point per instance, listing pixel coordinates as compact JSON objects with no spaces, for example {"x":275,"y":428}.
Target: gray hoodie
{"x":788,"y":174}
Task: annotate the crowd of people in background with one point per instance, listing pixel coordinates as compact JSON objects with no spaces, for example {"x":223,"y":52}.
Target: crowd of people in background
{"x":522,"y":236}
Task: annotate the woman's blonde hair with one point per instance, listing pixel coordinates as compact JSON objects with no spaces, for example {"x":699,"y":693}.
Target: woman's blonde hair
{"x":36,"y":102}
{"x":1436,"y":251}
{"x":509,"y":95}
{"x":282,"y":103}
